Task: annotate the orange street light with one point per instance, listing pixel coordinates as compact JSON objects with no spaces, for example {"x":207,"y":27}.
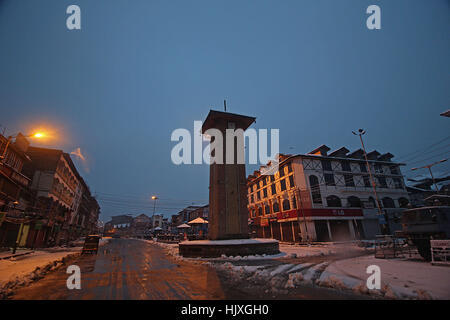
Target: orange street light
{"x":38,"y":135}
{"x":35,"y":135}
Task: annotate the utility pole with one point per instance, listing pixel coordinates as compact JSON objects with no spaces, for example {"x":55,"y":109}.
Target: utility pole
{"x":428,"y":166}
{"x":360,"y":133}
{"x":154,"y":198}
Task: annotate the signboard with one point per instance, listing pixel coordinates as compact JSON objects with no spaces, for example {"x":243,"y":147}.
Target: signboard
{"x":319,"y":213}
{"x":440,"y":252}
{"x":264,"y":222}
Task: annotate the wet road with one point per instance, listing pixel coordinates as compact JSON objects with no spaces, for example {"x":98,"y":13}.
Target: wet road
{"x":133,"y":269}
{"x":129,"y":269}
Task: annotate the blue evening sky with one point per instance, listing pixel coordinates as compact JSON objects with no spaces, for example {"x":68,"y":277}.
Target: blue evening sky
{"x":139,"y":69}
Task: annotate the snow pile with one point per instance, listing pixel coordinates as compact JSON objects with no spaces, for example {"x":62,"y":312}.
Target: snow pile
{"x":15,"y":273}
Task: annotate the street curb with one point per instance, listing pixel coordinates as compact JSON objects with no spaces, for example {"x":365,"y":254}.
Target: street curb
{"x":16,"y":255}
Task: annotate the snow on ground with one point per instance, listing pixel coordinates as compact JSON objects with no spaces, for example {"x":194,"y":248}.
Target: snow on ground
{"x":400,"y":278}
{"x":22,"y":270}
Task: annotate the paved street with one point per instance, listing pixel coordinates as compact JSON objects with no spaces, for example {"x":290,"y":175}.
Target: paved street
{"x":129,"y":269}
{"x":134,"y":269}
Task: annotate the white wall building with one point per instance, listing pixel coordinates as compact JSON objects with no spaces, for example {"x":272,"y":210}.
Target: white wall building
{"x":325,"y":197}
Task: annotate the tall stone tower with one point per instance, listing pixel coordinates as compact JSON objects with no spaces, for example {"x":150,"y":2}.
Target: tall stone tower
{"x":227,"y":182}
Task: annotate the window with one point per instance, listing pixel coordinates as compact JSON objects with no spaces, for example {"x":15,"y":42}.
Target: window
{"x":367,"y":183}
{"x":326,"y":165}
{"x":315,"y":189}
{"x":394,"y":170}
{"x":276,"y":207}
{"x":354,"y":202}
{"x":265,"y":192}
{"x":329,"y":179}
{"x":345,"y":166}
{"x":267,"y":209}
{"x":286,"y":205}
{"x":363,"y":167}
{"x":372,"y":202}
{"x":294,"y":202}
{"x":272,"y":178}
{"x":378,"y":168}
{"x":349,"y":180}
{"x":291,"y":181}
{"x":281,"y":172}
{"x":260,"y":211}
{"x":388,"y":202}
{"x":273,"y":189}
{"x":264,"y":182}
{"x":398,"y":183}
{"x":382,"y":182}
{"x":251,"y":198}
{"x":333,"y":201}
{"x":283,"y":184}
{"x":403,"y":202}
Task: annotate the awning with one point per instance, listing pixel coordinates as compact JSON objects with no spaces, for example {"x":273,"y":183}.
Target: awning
{"x":198,"y":221}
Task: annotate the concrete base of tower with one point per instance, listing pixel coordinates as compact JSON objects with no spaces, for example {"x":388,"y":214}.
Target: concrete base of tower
{"x":231,"y":247}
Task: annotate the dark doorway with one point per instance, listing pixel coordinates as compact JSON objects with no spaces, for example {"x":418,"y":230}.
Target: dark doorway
{"x":321,"y":230}
{"x":340,"y":230}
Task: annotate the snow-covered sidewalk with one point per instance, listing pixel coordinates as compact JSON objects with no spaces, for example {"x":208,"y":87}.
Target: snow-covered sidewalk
{"x":400,"y":278}
{"x":21,"y":270}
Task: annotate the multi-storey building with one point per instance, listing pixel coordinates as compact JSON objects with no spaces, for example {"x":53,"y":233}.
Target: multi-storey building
{"x":15,"y":196}
{"x":44,"y":199}
{"x":326,"y":197}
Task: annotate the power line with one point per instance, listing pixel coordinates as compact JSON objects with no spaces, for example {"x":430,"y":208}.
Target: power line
{"x":431,"y":151}
{"x":432,"y":157}
{"x":421,"y":149}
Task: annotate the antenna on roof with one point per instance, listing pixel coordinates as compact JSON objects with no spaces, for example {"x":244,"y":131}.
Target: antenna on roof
{"x":225,"y":105}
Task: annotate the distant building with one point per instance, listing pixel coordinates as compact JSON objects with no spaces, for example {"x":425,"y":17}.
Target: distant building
{"x":324,"y":196}
{"x":187,"y":214}
{"x":157,"y":221}
{"x":422,"y":189}
{"x":141,"y":226}
{"x":119,"y":225}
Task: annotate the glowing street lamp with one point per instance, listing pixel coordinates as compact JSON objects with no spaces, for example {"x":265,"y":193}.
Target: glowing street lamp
{"x":35,"y":135}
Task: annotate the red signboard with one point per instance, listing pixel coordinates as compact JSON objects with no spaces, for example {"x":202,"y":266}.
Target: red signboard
{"x":319,"y":213}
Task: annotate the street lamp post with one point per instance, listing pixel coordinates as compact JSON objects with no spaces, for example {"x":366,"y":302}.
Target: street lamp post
{"x":428,"y":166}
{"x":10,"y":138}
{"x":360,"y":133}
{"x":154,"y":198}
